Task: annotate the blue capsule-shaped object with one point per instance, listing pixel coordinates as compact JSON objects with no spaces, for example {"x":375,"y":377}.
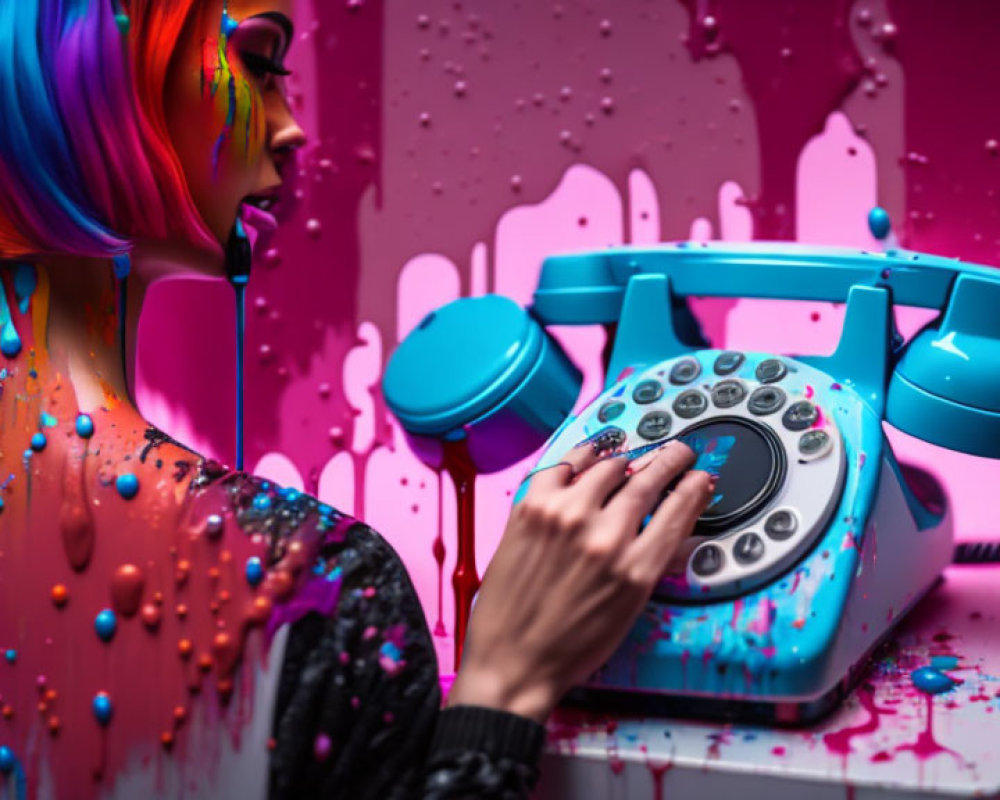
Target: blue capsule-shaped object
{"x":38,"y":442}
{"x":10,"y":655}
{"x":103,"y":708}
{"x":879,"y":223}
{"x":127,"y":485}
{"x":262,"y":502}
{"x":931,"y":681}
{"x":105,"y":625}
{"x":254,"y":571}
{"x":84,"y":426}
{"x":7,"y":760}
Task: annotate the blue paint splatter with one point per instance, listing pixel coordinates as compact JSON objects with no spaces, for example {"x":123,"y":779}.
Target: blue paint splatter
{"x":47,"y":420}
{"x":931,"y":681}
{"x":84,"y":426}
{"x":879,"y":223}
{"x":38,"y":442}
{"x":103,"y":708}
{"x":10,"y":342}
{"x":944,"y":662}
{"x":10,"y":655}
{"x":262,"y":503}
{"x":254,"y":571}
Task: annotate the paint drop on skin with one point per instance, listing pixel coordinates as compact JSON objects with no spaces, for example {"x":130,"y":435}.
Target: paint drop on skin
{"x":254,"y":571}
{"x":214,"y":525}
{"x":931,"y":681}
{"x":105,"y":625}
{"x":127,"y":485}
{"x":84,"y":426}
{"x":103,"y":708}
{"x":60,"y":595}
{"x":126,"y":589}
{"x":10,"y":342}
{"x":10,"y":656}
{"x":7,"y":760}
{"x":314,"y":227}
{"x":38,"y":442}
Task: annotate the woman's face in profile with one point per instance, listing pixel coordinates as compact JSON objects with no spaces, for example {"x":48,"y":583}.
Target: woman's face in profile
{"x":227,"y":112}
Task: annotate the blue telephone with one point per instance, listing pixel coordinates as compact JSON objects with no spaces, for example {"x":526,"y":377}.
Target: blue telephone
{"x":817,"y":541}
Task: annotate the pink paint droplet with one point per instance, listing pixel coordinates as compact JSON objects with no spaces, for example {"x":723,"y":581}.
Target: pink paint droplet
{"x":778,"y":751}
{"x":322,"y":746}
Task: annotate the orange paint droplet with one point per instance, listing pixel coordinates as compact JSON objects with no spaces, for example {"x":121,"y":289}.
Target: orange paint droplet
{"x":260,"y":610}
{"x":213,"y":607}
{"x":185,"y":648}
{"x":54,"y":725}
{"x":799,"y":624}
{"x":8,"y":712}
{"x":42,"y":706}
{"x":213,"y":573}
{"x":167,"y":740}
{"x":180,"y":715}
{"x":205,"y":662}
{"x":224,"y":596}
{"x":279,"y":584}
{"x":51,"y":695}
{"x":225,"y":557}
{"x":60,"y":595}
{"x":158,"y":598}
{"x":182,"y":610}
{"x":224,"y":687}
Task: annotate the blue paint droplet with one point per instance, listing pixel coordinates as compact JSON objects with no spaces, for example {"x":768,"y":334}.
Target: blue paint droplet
{"x":262,"y":503}
{"x":11,"y":655}
{"x":229,"y":25}
{"x":27,"y":454}
{"x":944,"y":662}
{"x":103,"y":709}
{"x":105,"y":625}
{"x":879,"y":223}
{"x":48,"y":421}
{"x":254,"y":571}
{"x":1,"y":504}
{"x":84,"y":426}
{"x":122,"y":265}
{"x":10,"y":342}
{"x":7,"y":760}
{"x":38,"y":442}
{"x":931,"y":681}
{"x":127,"y":485}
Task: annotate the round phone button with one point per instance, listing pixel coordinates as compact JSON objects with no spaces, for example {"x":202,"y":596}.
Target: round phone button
{"x":611,"y":411}
{"x":766,"y":400}
{"x":606,"y":439}
{"x":800,"y":416}
{"x":814,"y":443}
{"x":648,"y":392}
{"x":727,"y":394}
{"x":685,"y":371}
{"x":707,"y":560}
{"x":727,"y":363}
{"x":771,"y":370}
{"x":690,"y":404}
{"x":748,"y":548}
{"x":781,"y":525}
{"x":655,"y":425}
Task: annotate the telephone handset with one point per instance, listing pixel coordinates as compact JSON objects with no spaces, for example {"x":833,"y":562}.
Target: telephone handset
{"x":815,"y":544}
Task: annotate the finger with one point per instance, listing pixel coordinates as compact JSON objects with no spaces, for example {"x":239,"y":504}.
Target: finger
{"x":644,"y":489}
{"x":562,"y":474}
{"x":593,"y":487}
{"x":648,"y":555}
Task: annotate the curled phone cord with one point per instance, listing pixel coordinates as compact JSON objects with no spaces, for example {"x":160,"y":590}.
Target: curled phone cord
{"x":977,"y":553}
{"x":238,"y":260}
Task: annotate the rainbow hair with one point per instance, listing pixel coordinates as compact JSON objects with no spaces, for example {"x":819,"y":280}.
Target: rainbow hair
{"x":86,"y":162}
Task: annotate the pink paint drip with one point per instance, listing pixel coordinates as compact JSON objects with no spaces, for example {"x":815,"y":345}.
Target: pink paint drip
{"x":839,"y":742}
{"x":926,"y":745}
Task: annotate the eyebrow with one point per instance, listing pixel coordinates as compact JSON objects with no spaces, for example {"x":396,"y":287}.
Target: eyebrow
{"x":280,"y":20}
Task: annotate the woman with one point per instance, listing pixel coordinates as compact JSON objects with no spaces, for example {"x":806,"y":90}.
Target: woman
{"x":174,"y":628}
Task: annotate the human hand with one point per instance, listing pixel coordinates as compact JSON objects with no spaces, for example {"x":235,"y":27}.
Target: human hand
{"x":571,"y":576}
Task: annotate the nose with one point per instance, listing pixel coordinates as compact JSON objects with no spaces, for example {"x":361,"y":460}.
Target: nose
{"x":286,"y":136}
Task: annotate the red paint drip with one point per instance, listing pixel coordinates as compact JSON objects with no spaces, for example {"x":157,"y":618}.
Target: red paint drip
{"x":839,"y":742}
{"x":465,"y":579}
{"x":926,"y":745}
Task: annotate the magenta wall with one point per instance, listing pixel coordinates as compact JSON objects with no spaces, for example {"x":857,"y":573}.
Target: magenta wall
{"x":455,"y":144}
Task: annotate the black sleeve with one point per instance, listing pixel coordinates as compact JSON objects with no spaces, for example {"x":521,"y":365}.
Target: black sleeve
{"x":358,"y":706}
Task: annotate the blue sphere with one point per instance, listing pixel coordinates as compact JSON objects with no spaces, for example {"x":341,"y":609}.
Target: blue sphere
{"x":930,"y":680}
{"x":84,"y":426}
{"x":7,"y":760}
{"x":262,"y":502}
{"x":103,"y":709}
{"x":10,"y":655}
{"x":38,"y":442}
{"x":879,"y":223}
{"x":127,"y":485}
{"x":254,"y":571}
{"x":105,"y":625}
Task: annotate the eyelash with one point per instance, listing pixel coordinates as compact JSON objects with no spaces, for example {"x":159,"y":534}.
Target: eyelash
{"x":261,"y":66}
